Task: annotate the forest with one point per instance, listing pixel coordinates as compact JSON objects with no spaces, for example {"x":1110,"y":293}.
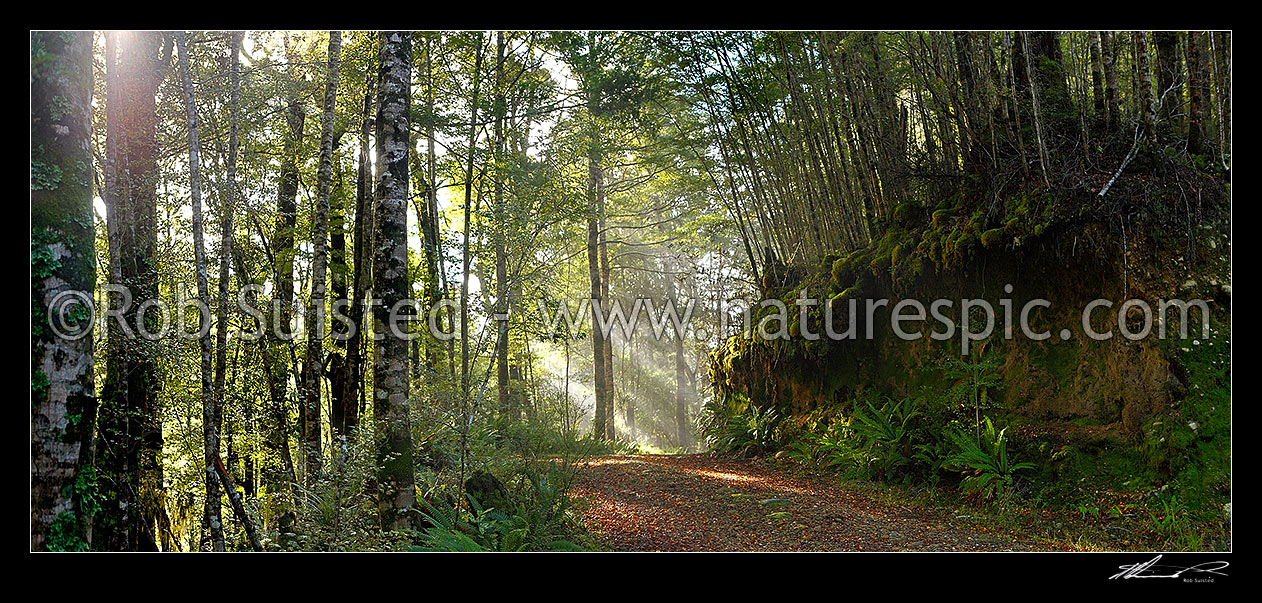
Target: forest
{"x":581,"y":290}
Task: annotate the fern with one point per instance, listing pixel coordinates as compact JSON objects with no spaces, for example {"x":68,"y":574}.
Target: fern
{"x":885,"y":434}
{"x":991,"y":469}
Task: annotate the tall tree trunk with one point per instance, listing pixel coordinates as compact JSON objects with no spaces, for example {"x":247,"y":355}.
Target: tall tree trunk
{"x":346,"y":419}
{"x":1147,"y":105}
{"x":1222,"y":69}
{"x":1196,"y":87}
{"x":319,"y":245}
{"x":599,"y":375}
{"x":212,"y":515}
{"x":390,"y":268}
{"x":63,"y":267}
{"x":1109,"y":56}
{"x":227,"y":208}
{"x":1097,"y":77}
{"x":1169,"y":77}
{"x":282,"y":332}
{"x":468,"y":219}
{"x":501,"y":255}
{"x":610,"y":394}
{"x":129,"y":432}
{"x":1036,"y":113}
{"x":677,"y":342}
{"x":337,"y":369}
{"x":438,"y":267}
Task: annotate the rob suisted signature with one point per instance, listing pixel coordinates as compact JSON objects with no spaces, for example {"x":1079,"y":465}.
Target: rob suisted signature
{"x":1150,"y":569}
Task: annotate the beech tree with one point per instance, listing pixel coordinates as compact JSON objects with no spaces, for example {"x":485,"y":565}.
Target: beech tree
{"x":390,"y":278}
{"x":212,"y":519}
{"x":316,"y":319}
{"x":130,"y":435}
{"x":63,"y":276}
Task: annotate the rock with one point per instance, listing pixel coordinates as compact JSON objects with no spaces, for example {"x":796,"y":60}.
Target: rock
{"x":288,"y":528}
{"x":488,"y":490}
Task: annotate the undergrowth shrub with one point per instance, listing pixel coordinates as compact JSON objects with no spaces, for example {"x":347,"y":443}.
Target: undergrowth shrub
{"x":748,"y":430}
{"x":990,"y":469}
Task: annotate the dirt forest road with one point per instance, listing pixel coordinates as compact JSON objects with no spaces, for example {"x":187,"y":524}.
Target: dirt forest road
{"x":704,"y":503}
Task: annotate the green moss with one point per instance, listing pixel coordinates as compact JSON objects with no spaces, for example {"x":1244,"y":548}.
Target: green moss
{"x":993,"y":237}
{"x":66,"y":534}
{"x":845,"y":271}
{"x":44,"y":176}
{"x":39,"y":386}
{"x":907,"y":215}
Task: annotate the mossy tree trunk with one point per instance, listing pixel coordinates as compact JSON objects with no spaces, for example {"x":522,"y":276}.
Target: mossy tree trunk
{"x":128,"y":453}
{"x":390,"y":271}
{"x":63,"y":263}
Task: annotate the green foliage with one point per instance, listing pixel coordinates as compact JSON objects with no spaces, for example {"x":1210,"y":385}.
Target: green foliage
{"x":66,"y":534}
{"x":991,"y":469}
{"x":39,"y":385}
{"x":1174,"y":523}
{"x":973,"y":379}
{"x":540,"y":519}
{"x":836,"y":447}
{"x":886,"y":436}
{"x":749,"y":430}
{"x":338,"y":512}
{"x":44,"y":176}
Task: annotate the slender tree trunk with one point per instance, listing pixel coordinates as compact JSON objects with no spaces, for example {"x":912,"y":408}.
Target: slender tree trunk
{"x":365,"y":226}
{"x":427,"y":205}
{"x":439,"y":262}
{"x":501,"y":255}
{"x":611,"y":396}
{"x":319,"y":245}
{"x":1109,"y":56}
{"x":1147,"y":105}
{"x":1016,"y":113}
{"x":1221,"y":53}
{"x":1036,"y":114}
{"x":677,"y":342}
{"x":280,"y":332}
{"x":468,"y":219}
{"x":1196,"y":77}
{"x":1097,"y":77}
{"x":337,"y":369}
{"x":599,"y":374}
{"x":227,"y":210}
{"x":212,"y":515}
